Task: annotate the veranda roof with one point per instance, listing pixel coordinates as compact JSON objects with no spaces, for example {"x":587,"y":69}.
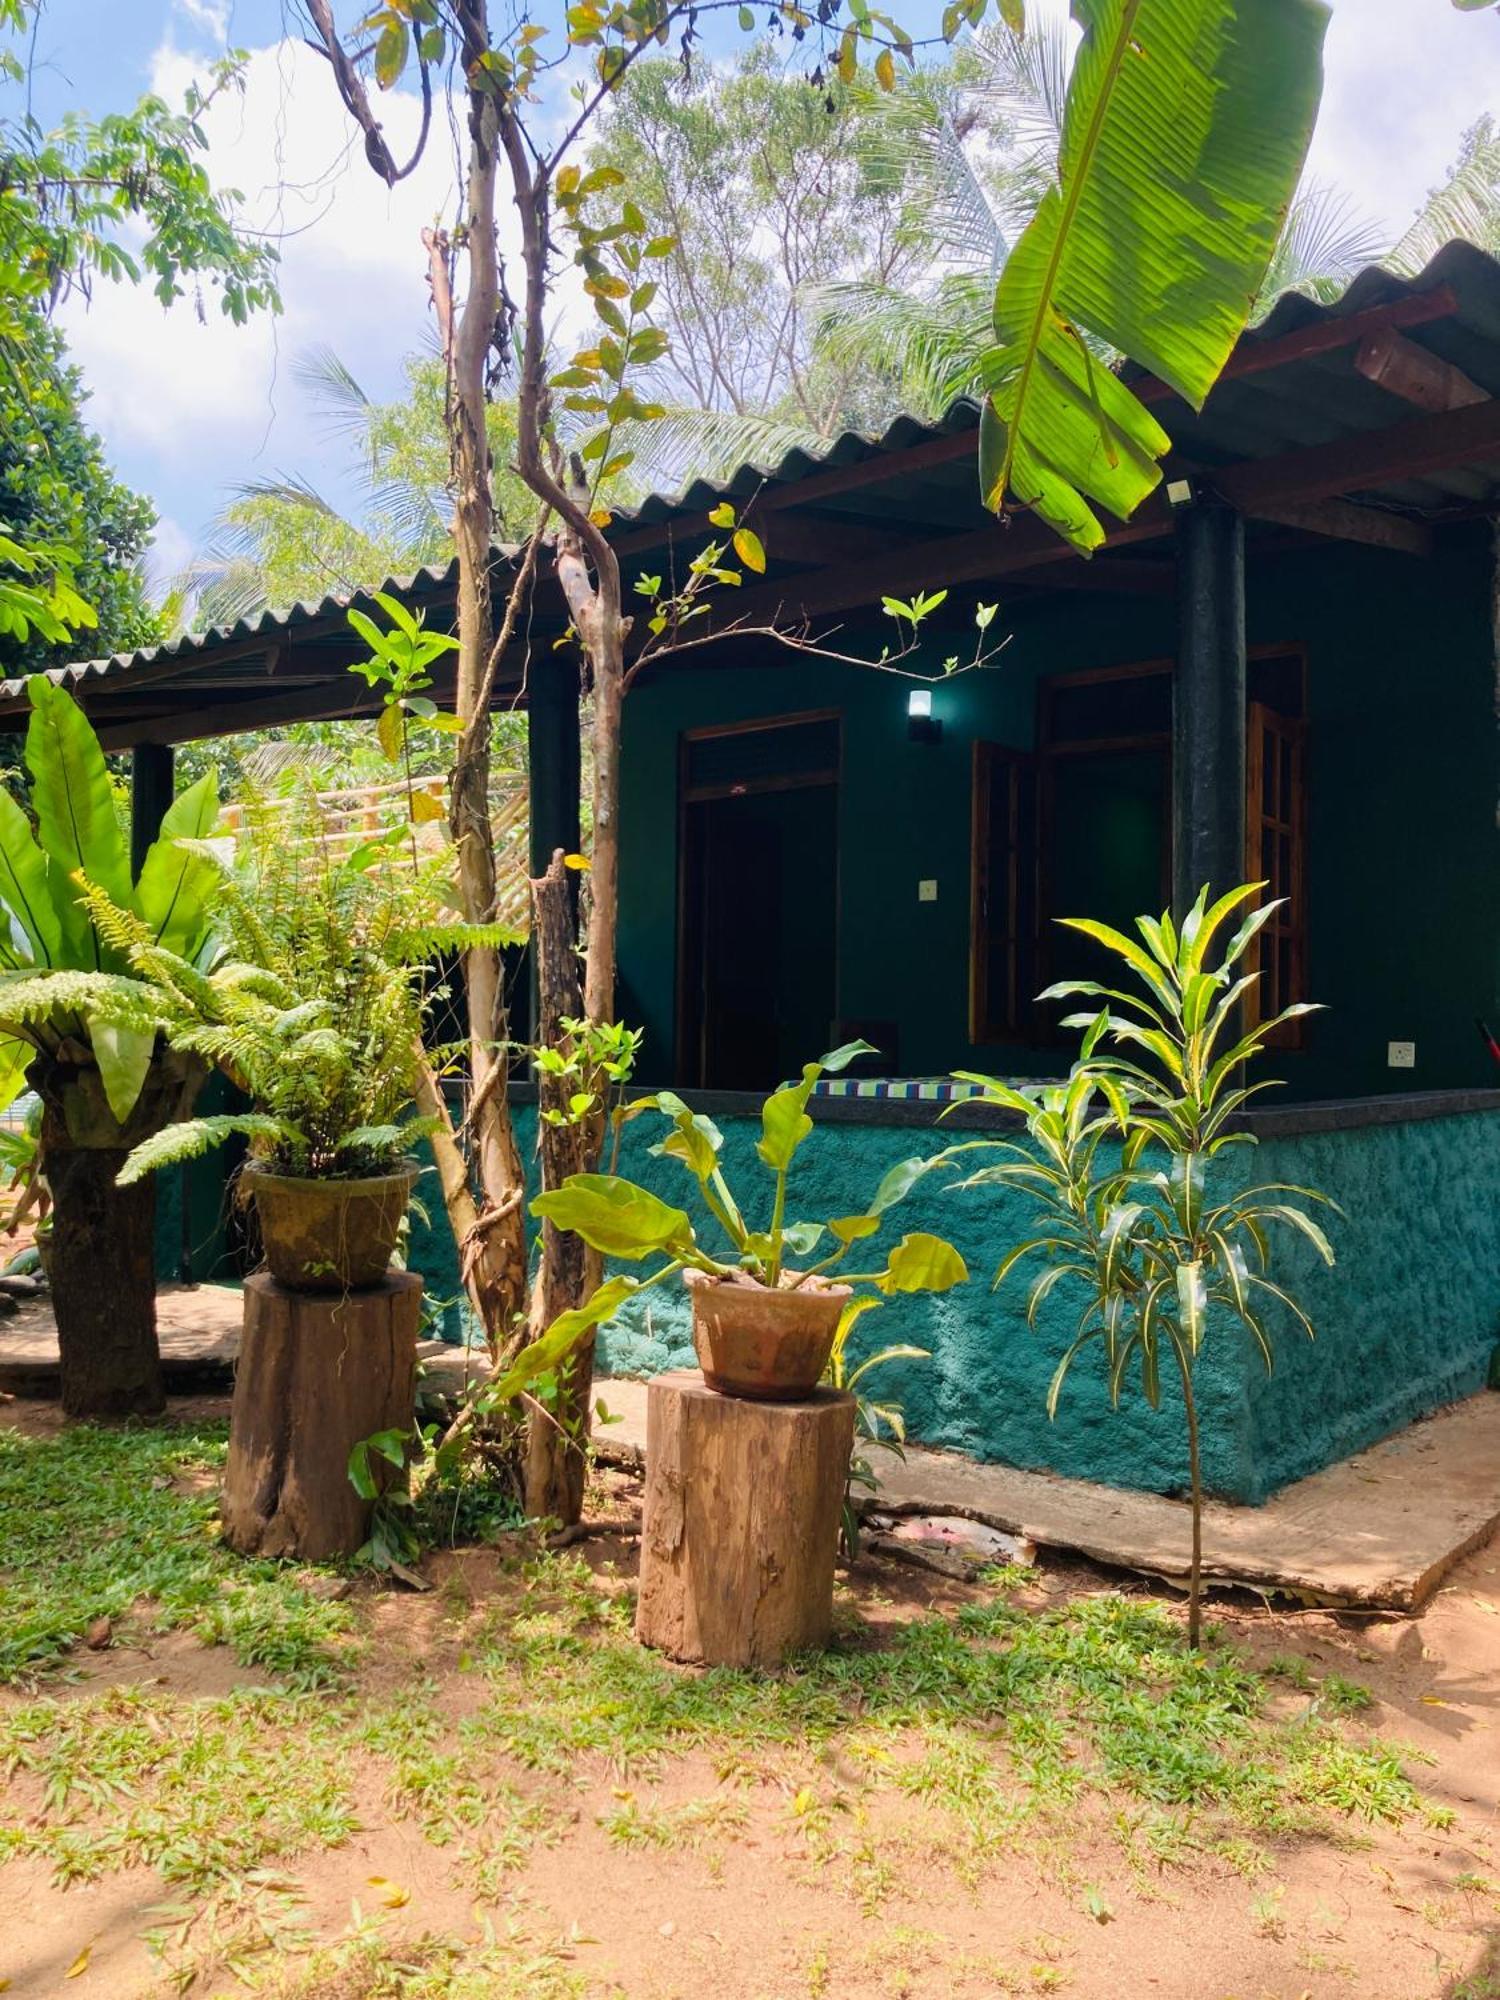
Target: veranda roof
{"x":1376,"y":419}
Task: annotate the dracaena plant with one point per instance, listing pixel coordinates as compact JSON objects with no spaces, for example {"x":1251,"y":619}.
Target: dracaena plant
{"x":317,"y":1000}
{"x":623,"y":1220}
{"x":1123,"y":1162}
{"x":68,"y":993}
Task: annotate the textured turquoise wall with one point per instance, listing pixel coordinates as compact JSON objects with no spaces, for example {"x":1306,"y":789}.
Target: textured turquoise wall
{"x":1410,"y":1315}
{"x":1403,"y":850}
{"x":1407,"y":1320}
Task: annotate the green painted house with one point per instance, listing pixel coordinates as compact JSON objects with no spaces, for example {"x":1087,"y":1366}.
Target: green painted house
{"x":1285,"y":667}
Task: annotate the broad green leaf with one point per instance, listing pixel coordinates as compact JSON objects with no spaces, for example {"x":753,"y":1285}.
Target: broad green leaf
{"x":853,"y":1228}
{"x":24,"y":887}
{"x":564,"y":1334}
{"x":614,"y":1215}
{"x":784,"y":1124}
{"x":802,"y":1238}
{"x":176,"y":888}
{"x":75,"y":810}
{"x":923,"y":1263}
{"x":123,"y":1056}
{"x":1184,"y":133}
{"x":14,"y":1057}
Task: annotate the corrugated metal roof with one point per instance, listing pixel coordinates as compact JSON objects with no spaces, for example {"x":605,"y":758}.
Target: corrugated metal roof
{"x":1250,"y":415}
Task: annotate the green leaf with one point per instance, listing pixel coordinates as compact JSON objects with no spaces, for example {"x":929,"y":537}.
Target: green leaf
{"x":75,"y":809}
{"x":614,"y":1215}
{"x":923,"y":1263}
{"x":176,"y":887}
{"x":784,"y":1124}
{"x":123,"y":1056}
{"x":24,"y":887}
{"x":195,"y":1136}
{"x":1184,"y":132}
{"x":14,"y":1057}
{"x":749,"y":549}
{"x":554,"y":1346}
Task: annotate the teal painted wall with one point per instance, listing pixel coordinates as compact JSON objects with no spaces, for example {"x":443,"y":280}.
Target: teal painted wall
{"x":1404,"y":855}
{"x":1407,"y":1320}
{"x":1410,"y":1315}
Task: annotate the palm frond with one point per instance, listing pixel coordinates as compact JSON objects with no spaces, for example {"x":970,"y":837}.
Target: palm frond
{"x":1324,"y":243}
{"x":1466,"y":206}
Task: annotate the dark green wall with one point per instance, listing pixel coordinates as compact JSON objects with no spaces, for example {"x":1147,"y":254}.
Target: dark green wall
{"x":1404,"y":886}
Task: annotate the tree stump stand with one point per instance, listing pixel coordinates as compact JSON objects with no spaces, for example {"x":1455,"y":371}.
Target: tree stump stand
{"x":317,"y":1372}
{"x":740,"y":1522}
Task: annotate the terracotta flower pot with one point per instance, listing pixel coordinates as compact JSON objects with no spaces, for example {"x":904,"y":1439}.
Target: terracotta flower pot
{"x":769,"y":1347}
{"x":328,"y":1235}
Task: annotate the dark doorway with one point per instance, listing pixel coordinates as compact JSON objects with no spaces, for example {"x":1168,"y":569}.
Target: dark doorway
{"x":759,"y":883}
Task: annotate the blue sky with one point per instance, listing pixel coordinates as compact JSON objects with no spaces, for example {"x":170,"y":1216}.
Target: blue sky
{"x":188,"y":408}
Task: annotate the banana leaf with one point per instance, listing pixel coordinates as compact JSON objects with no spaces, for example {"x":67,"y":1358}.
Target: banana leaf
{"x":1184,"y":132}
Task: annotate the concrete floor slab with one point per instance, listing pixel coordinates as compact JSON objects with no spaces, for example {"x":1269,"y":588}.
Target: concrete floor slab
{"x":1378,"y":1530}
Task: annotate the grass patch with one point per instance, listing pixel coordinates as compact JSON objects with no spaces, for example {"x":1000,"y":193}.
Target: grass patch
{"x":955,"y":1744}
{"x":996,"y":1718}
{"x":101,"y":1522}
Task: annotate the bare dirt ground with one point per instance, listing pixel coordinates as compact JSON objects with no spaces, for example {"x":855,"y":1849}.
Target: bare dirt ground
{"x":791,"y":1878}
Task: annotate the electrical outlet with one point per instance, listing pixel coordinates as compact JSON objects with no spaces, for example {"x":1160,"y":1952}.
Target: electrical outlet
{"x":927,"y":892}
{"x":1400,"y":1055}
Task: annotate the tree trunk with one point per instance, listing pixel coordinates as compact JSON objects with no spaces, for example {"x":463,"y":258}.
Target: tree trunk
{"x":491,"y":1228}
{"x":741,"y":1522}
{"x":104,"y":1237}
{"x":317,"y":1373}
{"x":104,"y":1285}
{"x":556,"y":1440}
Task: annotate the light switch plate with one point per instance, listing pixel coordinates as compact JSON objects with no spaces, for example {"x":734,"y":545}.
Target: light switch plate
{"x":927,"y":892}
{"x":1401,"y":1055}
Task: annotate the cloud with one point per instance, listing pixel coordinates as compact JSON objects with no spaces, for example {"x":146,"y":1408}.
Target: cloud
{"x":212,"y":16}
{"x":191,"y":403}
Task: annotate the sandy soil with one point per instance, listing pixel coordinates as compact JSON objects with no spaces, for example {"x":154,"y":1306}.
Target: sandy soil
{"x":755,"y":1912}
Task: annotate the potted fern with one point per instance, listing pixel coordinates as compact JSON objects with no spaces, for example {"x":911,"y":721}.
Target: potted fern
{"x":763,"y":1327}
{"x":315,"y":1011}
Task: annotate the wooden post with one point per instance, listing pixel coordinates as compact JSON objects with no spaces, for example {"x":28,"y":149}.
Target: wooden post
{"x":741,"y":1521}
{"x":317,"y":1372}
{"x":1208,"y":705}
{"x":151,"y":784}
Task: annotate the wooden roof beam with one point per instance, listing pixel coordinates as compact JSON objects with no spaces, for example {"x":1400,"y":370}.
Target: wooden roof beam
{"x":1418,"y":376}
{"x":1411,"y":450}
{"x":1342,"y":521}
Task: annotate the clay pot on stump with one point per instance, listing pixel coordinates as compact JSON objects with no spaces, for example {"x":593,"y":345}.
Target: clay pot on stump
{"x":762,"y":1345}
{"x":324,"y":1235}
{"x":327,"y":1358}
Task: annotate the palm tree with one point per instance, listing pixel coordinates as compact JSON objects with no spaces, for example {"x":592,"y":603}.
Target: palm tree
{"x":280,"y":540}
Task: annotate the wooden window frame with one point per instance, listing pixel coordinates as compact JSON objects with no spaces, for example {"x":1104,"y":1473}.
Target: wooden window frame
{"x":1013,"y":1023}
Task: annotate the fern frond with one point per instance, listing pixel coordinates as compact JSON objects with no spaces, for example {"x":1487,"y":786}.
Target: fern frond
{"x":193,"y":1137}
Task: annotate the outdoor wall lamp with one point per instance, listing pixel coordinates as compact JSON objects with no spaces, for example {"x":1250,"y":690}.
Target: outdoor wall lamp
{"x":921,"y":725}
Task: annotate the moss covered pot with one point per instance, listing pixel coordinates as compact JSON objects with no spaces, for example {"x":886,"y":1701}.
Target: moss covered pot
{"x":767,"y":1346}
{"x":328,"y":1235}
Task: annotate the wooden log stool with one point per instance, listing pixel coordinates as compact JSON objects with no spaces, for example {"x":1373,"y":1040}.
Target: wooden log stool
{"x":317,"y":1372}
{"x":740,"y":1522}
